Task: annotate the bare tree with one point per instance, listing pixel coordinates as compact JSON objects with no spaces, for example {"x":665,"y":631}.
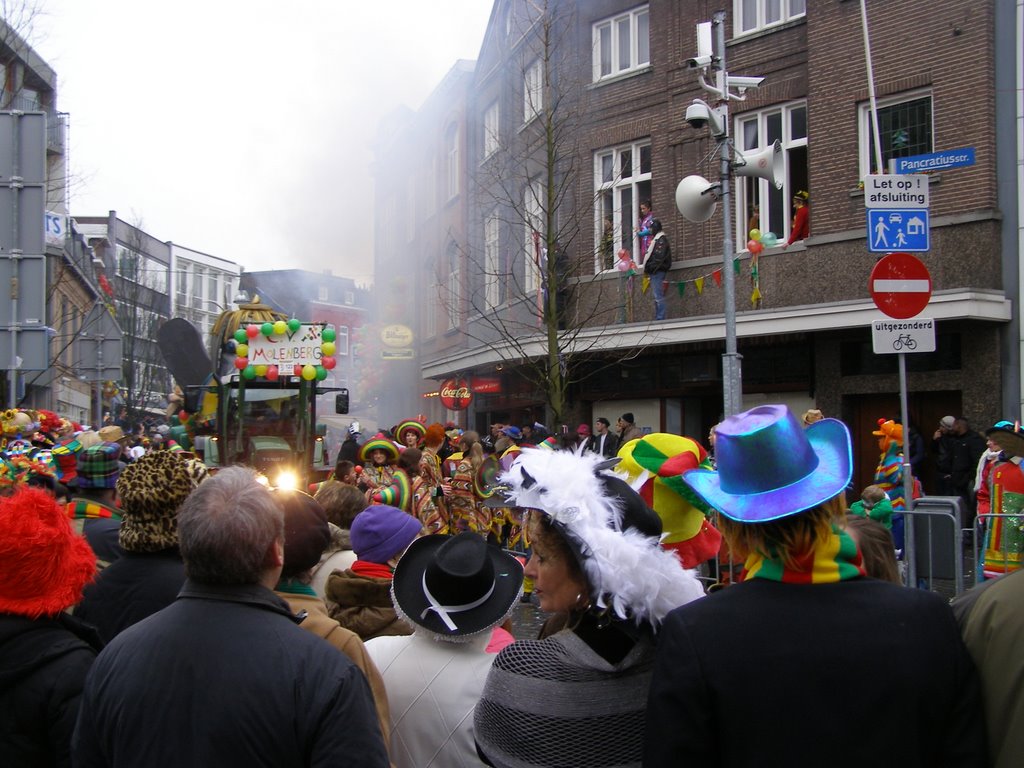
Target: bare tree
{"x":522,"y":283}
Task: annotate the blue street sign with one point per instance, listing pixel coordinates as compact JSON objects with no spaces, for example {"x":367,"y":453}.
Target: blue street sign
{"x":936,"y":161}
{"x":897,"y":229}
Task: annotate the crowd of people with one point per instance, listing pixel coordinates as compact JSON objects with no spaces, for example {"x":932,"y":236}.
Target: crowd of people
{"x":155,"y":613}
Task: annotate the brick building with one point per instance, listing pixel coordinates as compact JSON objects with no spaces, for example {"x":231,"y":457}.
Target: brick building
{"x":943,"y":78}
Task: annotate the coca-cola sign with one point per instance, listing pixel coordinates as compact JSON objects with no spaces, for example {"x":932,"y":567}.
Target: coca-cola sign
{"x":455,"y":394}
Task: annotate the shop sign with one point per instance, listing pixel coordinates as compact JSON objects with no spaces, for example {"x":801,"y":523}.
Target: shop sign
{"x":455,"y":394}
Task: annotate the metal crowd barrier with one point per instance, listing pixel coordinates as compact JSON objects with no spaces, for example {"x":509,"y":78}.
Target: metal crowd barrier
{"x":934,"y":544}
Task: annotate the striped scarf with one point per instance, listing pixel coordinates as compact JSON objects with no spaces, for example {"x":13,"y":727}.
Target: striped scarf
{"x":82,"y":509}
{"x":836,"y":559}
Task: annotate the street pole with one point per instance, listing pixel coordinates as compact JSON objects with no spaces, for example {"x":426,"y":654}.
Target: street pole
{"x":16,"y":186}
{"x":732,"y":376}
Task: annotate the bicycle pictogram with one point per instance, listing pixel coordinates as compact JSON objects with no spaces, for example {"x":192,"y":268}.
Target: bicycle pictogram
{"x":904,"y":340}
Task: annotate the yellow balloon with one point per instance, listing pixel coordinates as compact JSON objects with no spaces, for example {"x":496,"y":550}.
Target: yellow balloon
{"x":308,"y":372}
{"x":261,"y":370}
{"x":755,"y":234}
{"x":242,"y":350}
{"x":280,"y":327}
{"x":327,"y":348}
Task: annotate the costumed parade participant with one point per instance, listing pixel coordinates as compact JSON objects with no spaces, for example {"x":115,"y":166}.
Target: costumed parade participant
{"x":889,"y":473}
{"x":1004,"y":537}
{"x":378,"y":456}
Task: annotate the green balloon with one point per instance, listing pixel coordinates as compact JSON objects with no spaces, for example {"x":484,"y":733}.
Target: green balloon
{"x":321,"y":373}
{"x":267,"y":329}
{"x":249,"y":372}
{"x":240,"y":336}
{"x":294,"y":324}
{"x":328,"y":334}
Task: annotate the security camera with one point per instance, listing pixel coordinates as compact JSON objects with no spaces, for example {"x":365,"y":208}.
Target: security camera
{"x":699,"y":62}
{"x":699,"y":114}
{"x":742,"y":83}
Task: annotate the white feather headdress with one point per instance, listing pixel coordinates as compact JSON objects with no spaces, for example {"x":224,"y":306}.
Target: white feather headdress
{"x":628,"y":570}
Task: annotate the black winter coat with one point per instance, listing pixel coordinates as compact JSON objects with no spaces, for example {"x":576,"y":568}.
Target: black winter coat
{"x":660,"y":259}
{"x":133,"y":587}
{"x":43,"y":664}
{"x":224,"y":676}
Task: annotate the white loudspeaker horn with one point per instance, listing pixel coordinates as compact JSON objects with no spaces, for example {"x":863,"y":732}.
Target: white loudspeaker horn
{"x":696,"y":198}
{"x":763,"y":164}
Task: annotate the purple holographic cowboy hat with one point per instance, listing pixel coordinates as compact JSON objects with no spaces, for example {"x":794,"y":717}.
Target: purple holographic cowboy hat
{"x":770,"y":466}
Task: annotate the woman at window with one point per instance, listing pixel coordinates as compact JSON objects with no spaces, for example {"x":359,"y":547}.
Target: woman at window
{"x":801,"y":219}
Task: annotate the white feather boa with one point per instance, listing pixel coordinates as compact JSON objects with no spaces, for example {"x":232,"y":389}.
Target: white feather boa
{"x":628,"y":571}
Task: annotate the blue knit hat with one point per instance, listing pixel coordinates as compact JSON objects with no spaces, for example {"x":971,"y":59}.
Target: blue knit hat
{"x":380,"y":532}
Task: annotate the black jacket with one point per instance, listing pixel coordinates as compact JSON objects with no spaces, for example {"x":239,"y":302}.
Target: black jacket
{"x":134,"y":586}
{"x":43,"y":664}
{"x":611,"y":444}
{"x":660,"y":259}
{"x":225,"y":676}
{"x":844,"y":674}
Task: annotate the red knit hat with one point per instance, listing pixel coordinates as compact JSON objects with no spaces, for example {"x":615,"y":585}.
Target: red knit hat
{"x":44,"y":564}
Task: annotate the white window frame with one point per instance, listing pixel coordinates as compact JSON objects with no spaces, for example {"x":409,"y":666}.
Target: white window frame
{"x":453,"y":287}
{"x":452,"y":160}
{"x":492,"y":261}
{"x":341,"y":341}
{"x":766,"y":14}
{"x":492,"y":128}
{"x":533,"y":210}
{"x":533,"y":90}
{"x":864,"y":130}
{"x":765,"y":191}
{"x":611,"y":31}
{"x":637,"y":184}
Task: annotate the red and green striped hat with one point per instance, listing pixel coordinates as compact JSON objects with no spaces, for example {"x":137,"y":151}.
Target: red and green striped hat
{"x":379,"y":442}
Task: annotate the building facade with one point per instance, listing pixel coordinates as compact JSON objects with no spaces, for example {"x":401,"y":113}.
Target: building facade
{"x":619,"y":73}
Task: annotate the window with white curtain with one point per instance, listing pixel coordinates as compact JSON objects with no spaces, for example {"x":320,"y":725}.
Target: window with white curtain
{"x":622,"y":43}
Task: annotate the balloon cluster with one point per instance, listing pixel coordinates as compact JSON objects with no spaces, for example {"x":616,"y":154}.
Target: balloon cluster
{"x":760,"y":240}
{"x":625,"y":263}
{"x":244,"y":336}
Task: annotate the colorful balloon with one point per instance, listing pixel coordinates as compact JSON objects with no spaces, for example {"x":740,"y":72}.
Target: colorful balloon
{"x":327,"y":348}
{"x":297,"y":370}
{"x":249,"y":372}
{"x":261,"y":370}
{"x":280,"y":327}
{"x":241,"y":335}
{"x":308,"y":372}
{"x":755,"y":234}
{"x":242,"y":350}
{"x":272,"y":373}
{"x":329,"y":334}
{"x":328,"y":363}
{"x":252,"y":331}
{"x":267,"y":329}
{"x":754,"y":247}
{"x":241,"y":362}
{"x":294,"y":324}
{"x":769,"y":240}
{"x":321,"y":373}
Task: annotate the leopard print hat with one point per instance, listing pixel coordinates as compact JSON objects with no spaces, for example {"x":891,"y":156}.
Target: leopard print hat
{"x":151,"y":491}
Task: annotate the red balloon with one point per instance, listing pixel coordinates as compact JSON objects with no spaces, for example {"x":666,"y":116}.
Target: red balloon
{"x":272,"y":373}
{"x":241,"y":362}
{"x":755,"y":246}
{"x":297,"y":371}
{"x":328,"y":363}
{"x":183,"y":416}
{"x":252,"y":331}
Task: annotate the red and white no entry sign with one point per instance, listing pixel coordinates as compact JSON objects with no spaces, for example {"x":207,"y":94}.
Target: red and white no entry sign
{"x":900,"y":285}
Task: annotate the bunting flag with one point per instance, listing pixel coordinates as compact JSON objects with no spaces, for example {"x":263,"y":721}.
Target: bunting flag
{"x":645,"y":283}
{"x":681,"y":286}
{"x":736,"y":265}
{"x":699,"y":282}
{"x":756,"y":296}
{"x":717,"y":275}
